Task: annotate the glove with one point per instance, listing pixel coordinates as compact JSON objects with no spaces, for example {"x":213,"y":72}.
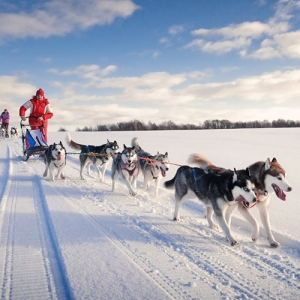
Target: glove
{"x":40,"y":118}
{"x":23,"y":118}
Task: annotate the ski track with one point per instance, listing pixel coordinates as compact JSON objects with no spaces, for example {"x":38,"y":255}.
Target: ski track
{"x":183,"y":260}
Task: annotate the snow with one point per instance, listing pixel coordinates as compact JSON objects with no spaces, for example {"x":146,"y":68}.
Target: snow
{"x":75,"y":239}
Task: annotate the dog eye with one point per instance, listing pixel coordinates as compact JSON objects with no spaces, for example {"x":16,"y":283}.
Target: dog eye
{"x":246,"y":189}
{"x":279,"y":178}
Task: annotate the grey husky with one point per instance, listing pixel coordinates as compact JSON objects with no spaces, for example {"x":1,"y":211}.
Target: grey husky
{"x":216,"y":191}
{"x":96,"y":155}
{"x":55,"y":159}
{"x":126,"y":165}
{"x":153,"y":167}
{"x":268,"y":177}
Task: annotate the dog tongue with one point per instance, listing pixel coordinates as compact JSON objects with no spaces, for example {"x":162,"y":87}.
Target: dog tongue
{"x":163,"y":173}
{"x":240,"y":198}
{"x":58,"y":157}
{"x":280,"y":194}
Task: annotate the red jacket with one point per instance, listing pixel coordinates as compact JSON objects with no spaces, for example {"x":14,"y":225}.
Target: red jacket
{"x":38,"y":108}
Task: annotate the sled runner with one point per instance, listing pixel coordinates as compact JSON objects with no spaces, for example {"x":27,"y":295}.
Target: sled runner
{"x":33,"y":141}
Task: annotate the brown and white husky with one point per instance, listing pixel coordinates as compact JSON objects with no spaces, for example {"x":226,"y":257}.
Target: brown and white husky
{"x":269,"y":177}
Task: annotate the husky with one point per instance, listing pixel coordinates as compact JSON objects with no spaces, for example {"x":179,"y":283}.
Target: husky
{"x":96,"y":155}
{"x":14,"y":134}
{"x":55,"y":159}
{"x":216,"y":191}
{"x":126,"y":164}
{"x":269,"y":177}
{"x":3,"y":133}
{"x":152,"y":166}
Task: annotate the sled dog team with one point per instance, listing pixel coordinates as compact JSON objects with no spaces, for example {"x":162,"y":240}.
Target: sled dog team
{"x":219,"y":189}
{"x":13,"y":133}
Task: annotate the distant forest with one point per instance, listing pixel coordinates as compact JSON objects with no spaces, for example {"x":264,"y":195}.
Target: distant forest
{"x":136,"y":125}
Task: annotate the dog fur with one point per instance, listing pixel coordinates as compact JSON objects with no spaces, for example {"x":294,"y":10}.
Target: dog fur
{"x":55,"y":159}
{"x":126,"y":164}
{"x":14,"y":134}
{"x":218,"y":192}
{"x":269,"y":177}
{"x":96,"y":155}
{"x":3,"y":133}
{"x":153,"y":167}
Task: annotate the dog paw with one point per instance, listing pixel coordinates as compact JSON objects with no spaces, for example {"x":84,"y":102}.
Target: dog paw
{"x":234,"y":243}
{"x":274,"y":244}
{"x":254,"y":240}
{"x":176,"y":219}
{"x":45,"y":174}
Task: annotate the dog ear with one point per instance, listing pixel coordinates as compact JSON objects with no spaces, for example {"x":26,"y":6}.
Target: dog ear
{"x":124,"y":146}
{"x":235,"y":177}
{"x":166,"y":154}
{"x":267,"y":164}
{"x":248,"y":172}
{"x":274,"y":160}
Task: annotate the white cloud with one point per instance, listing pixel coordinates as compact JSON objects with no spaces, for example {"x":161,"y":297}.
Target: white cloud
{"x":161,"y":88}
{"x":161,"y":96}
{"x":57,"y":17}
{"x":155,"y":54}
{"x":275,"y":36}
{"x":246,"y":29}
{"x":86,"y":71}
{"x":175,"y":29}
{"x":219,"y":47}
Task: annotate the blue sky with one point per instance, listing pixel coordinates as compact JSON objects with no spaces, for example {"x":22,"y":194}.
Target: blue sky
{"x":103,"y":62}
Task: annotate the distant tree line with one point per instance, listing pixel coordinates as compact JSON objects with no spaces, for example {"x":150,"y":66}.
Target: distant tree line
{"x":136,"y":125}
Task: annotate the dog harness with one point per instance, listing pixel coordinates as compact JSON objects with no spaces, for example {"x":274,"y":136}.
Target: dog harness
{"x":131,"y":172}
{"x":195,"y":180}
{"x":103,"y":159}
{"x":124,"y":167}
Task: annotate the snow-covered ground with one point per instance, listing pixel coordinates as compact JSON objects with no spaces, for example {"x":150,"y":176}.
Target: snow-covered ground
{"x":75,"y":239}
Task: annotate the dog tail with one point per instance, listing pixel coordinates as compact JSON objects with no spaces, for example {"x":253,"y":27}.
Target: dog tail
{"x":72,"y":144}
{"x":170,"y":183}
{"x":200,"y":161}
{"x":135,"y":144}
{"x":205,"y":164}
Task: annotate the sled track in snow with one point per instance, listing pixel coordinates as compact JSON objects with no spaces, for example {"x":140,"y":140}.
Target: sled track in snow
{"x":21,"y":249}
{"x":261,"y":264}
{"x":187,"y":259}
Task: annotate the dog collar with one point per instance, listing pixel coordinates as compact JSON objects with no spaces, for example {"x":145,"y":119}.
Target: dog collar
{"x":58,"y":166}
{"x":131,"y":172}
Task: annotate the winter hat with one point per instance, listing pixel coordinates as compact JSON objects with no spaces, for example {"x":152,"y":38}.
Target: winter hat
{"x":40,"y":92}
{"x":5,"y":110}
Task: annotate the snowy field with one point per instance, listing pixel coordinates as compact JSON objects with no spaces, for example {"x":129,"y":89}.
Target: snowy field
{"x":75,"y":239}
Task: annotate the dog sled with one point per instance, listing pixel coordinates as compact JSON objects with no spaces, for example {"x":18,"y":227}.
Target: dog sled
{"x":33,"y":141}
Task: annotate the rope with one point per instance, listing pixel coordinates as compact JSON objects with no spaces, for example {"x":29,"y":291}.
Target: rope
{"x":148,"y":159}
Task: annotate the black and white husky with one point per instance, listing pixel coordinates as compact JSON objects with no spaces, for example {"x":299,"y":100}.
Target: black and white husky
{"x":14,"y":134}
{"x":269,"y":177}
{"x":217,"y":191}
{"x":153,"y":167}
{"x":126,"y":164}
{"x":55,"y":160}
{"x":96,"y":155}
